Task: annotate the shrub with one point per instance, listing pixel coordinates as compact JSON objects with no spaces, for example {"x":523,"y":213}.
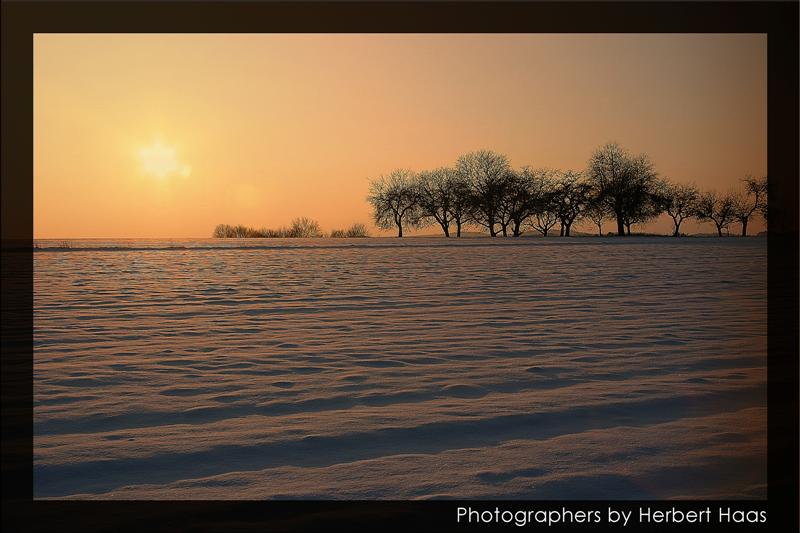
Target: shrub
{"x":226,"y":231}
{"x":358,"y":230}
{"x":305,"y":227}
{"x":222,"y":231}
{"x":279,"y":233}
{"x":302,"y":227}
{"x":355,"y":231}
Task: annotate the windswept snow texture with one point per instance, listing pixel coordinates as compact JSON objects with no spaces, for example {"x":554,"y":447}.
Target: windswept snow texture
{"x":630,"y":368}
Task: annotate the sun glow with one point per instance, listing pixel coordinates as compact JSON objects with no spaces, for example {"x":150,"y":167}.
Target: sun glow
{"x":161,"y":160}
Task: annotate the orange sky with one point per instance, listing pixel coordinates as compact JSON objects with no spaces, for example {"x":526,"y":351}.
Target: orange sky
{"x":169,"y":135}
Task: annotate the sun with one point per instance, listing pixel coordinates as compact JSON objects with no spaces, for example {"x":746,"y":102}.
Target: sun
{"x":161,"y":160}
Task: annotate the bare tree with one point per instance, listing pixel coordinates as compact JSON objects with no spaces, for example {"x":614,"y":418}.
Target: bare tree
{"x":394,"y":201}
{"x":624,"y":183}
{"x":679,"y":201}
{"x":719,"y":209}
{"x":644,"y":200}
{"x":751,"y":201}
{"x":544,"y":220}
{"x":741,"y":209}
{"x":572,"y":195}
{"x":762,"y":184}
{"x":439,"y":194}
{"x":545,"y":205}
{"x":597,"y":211}
{"x":525,"y":194}
{"x":515,"y":204}
{"x":512,"y":193}
{"x":487,"y":173}
{"x":460,"y":202}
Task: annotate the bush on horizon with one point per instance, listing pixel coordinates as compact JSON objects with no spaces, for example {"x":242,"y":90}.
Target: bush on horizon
{"x":357,"y":230}
{"x":302,"y":227}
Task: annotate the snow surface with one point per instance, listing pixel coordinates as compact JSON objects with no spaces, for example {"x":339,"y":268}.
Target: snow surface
{"x":627,"y":368}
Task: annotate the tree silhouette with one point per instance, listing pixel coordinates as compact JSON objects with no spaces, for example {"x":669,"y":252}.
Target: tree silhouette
{"x":460,"y":202}
{"x":719,"y":209}
{"x":624,"y":182}
{"x":751,"y":201}
{"x":515,"y":204}
{"x":527,"y":192}
{"x":764,"y":208}
{"x":545,"y":213}
{"x":597,"y":211}
{"x":441,"y":198}
{"x":509,"y":201}
{"x":572,"y":194}
{"x":394,"y":201}
{"x":487,"y":173}
{"x":679,"y":201}
{"x":544,"y":220}
{"x":645,"y":204}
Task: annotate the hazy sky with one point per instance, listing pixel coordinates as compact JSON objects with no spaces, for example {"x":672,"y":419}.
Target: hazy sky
{"x":169,"y":135}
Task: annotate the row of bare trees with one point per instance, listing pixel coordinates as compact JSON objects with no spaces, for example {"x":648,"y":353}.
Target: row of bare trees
{"x":483,"y":190}
{"x":735,"y":206}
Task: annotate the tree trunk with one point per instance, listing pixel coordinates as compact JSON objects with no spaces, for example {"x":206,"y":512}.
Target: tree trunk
{"x":515,"y":229}
{"x":446,"y":229}
{"x":458,"y":228}
{"x":744,"y":227}
{"x":492,"y":231}
{"x":628,"y":227}
{"x":399,"y":230}
{"x":600,"y":229}
{"x":719,"y":230}
{"x":561,"y":234}
{"x":620,"y":226}
{"x":504,"y":227}
{"x":566,"y":231}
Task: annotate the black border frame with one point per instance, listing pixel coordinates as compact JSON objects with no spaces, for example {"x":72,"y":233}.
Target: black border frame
{"x":20,"y":20}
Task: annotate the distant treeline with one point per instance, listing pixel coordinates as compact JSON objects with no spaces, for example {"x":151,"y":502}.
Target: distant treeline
{"x":302,"y":227}
{"x":483,"y":190}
